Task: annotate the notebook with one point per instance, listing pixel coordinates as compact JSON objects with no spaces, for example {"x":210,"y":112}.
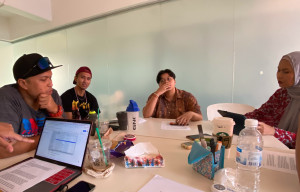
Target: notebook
{"x":63,"y":142}
{"x":239,"y":120}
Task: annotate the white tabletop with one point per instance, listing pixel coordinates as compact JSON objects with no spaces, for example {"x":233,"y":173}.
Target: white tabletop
{"x":176,"y":166}
{"x":152,"y":127}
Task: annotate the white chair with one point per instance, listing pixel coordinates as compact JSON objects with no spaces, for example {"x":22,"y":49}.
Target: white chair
{"x":212,"y":110}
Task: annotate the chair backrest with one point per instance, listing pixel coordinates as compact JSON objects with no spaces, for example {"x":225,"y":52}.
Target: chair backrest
{"x":212,"y":110}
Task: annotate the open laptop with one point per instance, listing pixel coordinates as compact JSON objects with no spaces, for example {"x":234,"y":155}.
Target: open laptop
{"x":63,"y":142}
{"x":239,"y":120}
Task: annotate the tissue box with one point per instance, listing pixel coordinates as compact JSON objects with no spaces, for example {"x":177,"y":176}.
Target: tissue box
{"x":143,"y":155}
{"x":203,"y":161}
{"x":144,"y":161}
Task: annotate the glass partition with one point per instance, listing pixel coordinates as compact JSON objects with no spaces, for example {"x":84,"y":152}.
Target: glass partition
{"x":221,"y":51}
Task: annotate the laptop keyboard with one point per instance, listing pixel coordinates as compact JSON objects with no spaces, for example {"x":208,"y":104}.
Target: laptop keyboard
{"x":59,"y":176}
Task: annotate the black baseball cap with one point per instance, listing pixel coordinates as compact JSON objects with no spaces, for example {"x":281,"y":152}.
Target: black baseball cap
{"x":30,"y":65}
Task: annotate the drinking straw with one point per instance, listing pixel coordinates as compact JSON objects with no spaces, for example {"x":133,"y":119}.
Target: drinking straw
{"x":99,"y":137}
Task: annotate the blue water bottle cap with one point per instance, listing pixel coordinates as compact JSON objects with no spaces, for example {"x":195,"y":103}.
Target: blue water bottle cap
{"x":132,"y":107}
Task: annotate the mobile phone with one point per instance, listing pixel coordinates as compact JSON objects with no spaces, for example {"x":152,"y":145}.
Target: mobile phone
{"x":187,"y":145}
{"x":193,"y":137}
{"x":82,"y":186}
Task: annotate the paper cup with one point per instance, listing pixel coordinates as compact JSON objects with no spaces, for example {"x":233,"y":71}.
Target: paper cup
{"x":223,"y":125}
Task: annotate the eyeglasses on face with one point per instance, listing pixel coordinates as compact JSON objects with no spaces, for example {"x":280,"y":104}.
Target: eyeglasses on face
{"x":42,"y":64}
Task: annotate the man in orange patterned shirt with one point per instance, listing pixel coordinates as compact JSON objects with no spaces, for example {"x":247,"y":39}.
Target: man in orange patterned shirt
{"x":169,"y":102}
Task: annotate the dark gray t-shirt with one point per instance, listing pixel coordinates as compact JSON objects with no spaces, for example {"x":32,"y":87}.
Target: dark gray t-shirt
{"x":14,"y":110}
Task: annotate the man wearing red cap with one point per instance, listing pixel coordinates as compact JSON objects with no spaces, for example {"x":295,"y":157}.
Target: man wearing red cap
{"x":78,"y":102}
{"x":26,"y":104}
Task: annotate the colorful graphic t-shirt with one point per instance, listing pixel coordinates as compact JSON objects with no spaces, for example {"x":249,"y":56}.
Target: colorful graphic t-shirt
{"x":79,"y":106}
{"x":14,"y":110}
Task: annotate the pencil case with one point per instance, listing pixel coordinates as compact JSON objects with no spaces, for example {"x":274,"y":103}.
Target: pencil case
{"x":203,"y":160}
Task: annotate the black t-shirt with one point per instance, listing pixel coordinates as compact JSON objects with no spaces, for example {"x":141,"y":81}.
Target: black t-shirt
{"x":79,"y":106}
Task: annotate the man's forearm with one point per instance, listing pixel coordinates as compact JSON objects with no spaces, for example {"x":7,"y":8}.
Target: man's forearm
{"x":20,"y":147}
{"x":196,"y":117}
{"x":150,"y":105}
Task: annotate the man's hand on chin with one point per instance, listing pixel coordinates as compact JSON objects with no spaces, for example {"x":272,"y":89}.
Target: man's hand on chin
{"x":46,"y":102}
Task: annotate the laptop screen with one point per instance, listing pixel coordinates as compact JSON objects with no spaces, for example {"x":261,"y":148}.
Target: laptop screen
{"x":64,"y":141}
{"x":239,"y":120}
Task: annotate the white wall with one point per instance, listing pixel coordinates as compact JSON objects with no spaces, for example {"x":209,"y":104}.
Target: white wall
{"x":6,"y":63}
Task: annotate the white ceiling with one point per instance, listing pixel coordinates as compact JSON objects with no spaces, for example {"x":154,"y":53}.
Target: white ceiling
{"x":5,"y":14}
{"x":23,"y":19}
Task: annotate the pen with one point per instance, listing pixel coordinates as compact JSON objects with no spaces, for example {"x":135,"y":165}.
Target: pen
{"x":212,"y":147}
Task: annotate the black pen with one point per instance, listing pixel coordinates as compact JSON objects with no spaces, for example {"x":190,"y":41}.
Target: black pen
{"x":212,"y":145}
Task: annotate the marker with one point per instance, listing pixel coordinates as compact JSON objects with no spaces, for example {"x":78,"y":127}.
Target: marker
{"x":219,"y":145}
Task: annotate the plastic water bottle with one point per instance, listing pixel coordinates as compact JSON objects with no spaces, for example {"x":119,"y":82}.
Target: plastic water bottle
{"x":93,"y":117}
{"x":249,"y":157}
{"x":132,"y":115}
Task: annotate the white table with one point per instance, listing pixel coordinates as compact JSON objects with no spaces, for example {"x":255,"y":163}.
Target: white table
{"x":176,"y":165}
{"x":152,"y":127}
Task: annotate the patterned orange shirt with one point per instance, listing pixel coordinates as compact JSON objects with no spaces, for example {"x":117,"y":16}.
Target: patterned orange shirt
{"x":183,"y":102}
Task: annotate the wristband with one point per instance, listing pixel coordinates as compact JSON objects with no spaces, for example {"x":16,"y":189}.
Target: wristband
{"x":58,"y":113}
{"x":156,"y":94}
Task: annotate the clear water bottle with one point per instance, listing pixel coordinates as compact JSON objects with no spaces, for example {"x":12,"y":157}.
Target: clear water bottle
{"x":249,"y":157}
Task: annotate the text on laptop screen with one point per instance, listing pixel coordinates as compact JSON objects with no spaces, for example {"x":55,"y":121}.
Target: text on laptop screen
{"x":64,"y":141}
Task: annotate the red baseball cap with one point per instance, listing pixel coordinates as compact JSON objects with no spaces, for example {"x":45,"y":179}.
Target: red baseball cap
{"x":82,"y":69}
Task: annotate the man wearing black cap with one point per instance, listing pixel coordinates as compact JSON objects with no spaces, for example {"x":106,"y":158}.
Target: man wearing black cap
{"x":27,"y":103}
{"x":78,"y":102}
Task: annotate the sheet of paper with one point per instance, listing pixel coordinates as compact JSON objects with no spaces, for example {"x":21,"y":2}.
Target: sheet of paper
{"x":279,"y":161}
{"x":142,"y":120}
{"x":162,"y":184}
{"x":24,"y":175}
{"x":166,"y":126}
{"x":269,"y":142}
